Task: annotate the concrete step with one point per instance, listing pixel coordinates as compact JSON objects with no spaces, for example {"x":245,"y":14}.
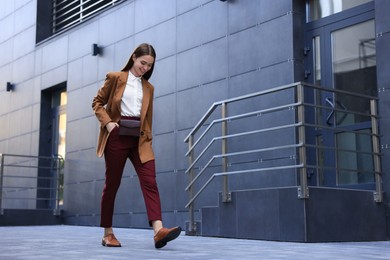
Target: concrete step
{"x":277,"y":214}
{"x":28,"y":217}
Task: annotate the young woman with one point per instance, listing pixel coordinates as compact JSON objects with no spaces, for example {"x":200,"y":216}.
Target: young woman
{"x":124,"y":108}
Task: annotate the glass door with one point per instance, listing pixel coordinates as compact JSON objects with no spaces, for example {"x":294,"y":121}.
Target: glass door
{"x":343,"y":58}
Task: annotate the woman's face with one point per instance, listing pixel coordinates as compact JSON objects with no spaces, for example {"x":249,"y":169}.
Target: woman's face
{"x":141,"y":65}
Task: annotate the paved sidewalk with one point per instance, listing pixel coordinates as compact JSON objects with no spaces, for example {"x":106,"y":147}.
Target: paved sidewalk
{"x":76,"y":242}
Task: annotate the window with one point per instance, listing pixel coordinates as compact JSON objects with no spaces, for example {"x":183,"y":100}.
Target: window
{"x":56,"y":16}
{"x":323,"y":8}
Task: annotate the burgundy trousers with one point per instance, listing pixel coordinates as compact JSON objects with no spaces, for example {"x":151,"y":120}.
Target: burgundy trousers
{"x":118,"y":149}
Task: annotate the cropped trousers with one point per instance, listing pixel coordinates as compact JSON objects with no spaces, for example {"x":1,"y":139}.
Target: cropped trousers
{"x":118,"y":149}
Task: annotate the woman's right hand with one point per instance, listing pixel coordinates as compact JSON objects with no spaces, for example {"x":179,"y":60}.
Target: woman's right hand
{"x":111,"y":126}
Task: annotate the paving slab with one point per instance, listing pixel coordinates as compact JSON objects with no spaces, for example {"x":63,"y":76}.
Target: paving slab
{"x":81,"y":242}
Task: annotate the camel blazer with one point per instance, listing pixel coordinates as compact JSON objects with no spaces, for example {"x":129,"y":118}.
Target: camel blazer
{"x":107,"y":107}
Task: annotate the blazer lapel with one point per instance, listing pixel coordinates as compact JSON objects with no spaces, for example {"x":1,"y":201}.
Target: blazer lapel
{"x":120,"y":89}
{"x":145,"y":99}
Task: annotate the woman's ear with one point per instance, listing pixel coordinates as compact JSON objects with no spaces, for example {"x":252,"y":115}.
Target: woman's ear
{"x":133,"y":57}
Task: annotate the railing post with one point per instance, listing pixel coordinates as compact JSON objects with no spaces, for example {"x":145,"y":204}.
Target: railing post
{"x":57,"y":195}
{"x":191,"y":225}
{"x":378,"y":195}
{"x":226,"y":196}
{"x":1,"y":183}
{"x":303,"y":190}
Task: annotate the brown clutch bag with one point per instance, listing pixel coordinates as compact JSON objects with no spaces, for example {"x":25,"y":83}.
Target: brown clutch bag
{"x":129,"y":127}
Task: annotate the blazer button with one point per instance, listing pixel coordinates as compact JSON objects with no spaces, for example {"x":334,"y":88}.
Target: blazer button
{"x":142,"y":132}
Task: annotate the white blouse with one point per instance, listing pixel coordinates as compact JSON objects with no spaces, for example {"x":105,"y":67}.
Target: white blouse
{"x":132,"y":97}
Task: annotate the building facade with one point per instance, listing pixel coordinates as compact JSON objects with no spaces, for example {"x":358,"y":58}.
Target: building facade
{"x":53,"y":60}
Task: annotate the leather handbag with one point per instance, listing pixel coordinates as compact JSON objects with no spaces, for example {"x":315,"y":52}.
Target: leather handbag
{"x":129,"y":127}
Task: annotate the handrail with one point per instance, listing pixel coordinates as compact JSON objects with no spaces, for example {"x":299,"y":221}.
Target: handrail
{"x":237,"y":135}
{"x":238,"y":172}
{"x":268,"y":91}
{"x":263,"y":111}
{"x":54,"y":164}
{"x":300,"y":123}
{"x":230,"y":100}
{"x":239,"y":153}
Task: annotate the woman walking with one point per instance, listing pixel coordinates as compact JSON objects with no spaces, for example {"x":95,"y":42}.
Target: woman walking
{"x":124,"y":108}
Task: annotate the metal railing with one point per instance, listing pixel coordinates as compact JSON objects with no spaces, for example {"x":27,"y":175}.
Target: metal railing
{"x":305,"y":120}
{"x":67,"y":13}
{"x":31,"y":182}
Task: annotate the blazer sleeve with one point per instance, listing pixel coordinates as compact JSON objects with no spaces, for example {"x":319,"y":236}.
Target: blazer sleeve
{"x":101,"y":100}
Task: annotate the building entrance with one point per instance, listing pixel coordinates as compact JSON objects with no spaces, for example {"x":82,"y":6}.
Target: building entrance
{"x":341,"y":55}
{"x":51,"y":143}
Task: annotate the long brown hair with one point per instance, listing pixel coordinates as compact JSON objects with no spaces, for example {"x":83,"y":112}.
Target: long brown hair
{"x":141,"y":50}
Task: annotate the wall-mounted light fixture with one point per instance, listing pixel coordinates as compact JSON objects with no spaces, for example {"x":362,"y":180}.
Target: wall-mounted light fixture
{"x":10,"y":87}
{"x":96,"y":50}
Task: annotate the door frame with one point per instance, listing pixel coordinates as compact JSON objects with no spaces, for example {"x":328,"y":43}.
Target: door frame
{"x":323,"y":28}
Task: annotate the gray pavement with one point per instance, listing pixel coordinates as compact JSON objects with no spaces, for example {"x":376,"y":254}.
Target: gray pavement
{"x":79,"y":242}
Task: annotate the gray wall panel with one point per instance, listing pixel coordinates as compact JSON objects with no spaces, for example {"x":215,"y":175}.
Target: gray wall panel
{"x":163,"y":117}
{"x":168,"y":195}
{"x":80,"y":41}
{"x":244,"y":14}
{"x":25,"y":16}
{"x":164,"y":150}
{"x":164,"y":85}
{"x":7,"y":28}
{"x":161,"y":36}
{"x":84,"y":191}
{"x":75,"y":75}
{"x":54,"y":77}
{"x":19,"y":144}
{"x":145,"y":17}
{"x":122,"y":19}
{"x":106,"y":62}
{"x":60,"y":48}
{"x":381,"y":16}
{"x":383,"y":66}
{"x":80,"y":134}
{"x":6,"y":49}
{"x":122,"y":51}
{"x":260,"y":80}
{"x":182,"y":195}
{"x":202,"y":65}
{"x":272,"y":9}
{"x":200,"y":25}
{"x":186,"y":5}
{"x":7,"y":8}
{"x":79,"y":104}
{"x":260,"y":46}
{"x":193,"y":103}
{"x":382,"y":62}
{"x":181,"y":150}
{"x":90,"y":70}
{"x":24,"y":42}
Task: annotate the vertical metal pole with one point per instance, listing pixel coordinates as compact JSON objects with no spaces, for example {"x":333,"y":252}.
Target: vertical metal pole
{"x":192,"y":224}
{"x":303,"y":192}
{"x":57,"y":195}
{"x":378,"y":196}
{"x":1,"y":182}
{"x":226,"y":196}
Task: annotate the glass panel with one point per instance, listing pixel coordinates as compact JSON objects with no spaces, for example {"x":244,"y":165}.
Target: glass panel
{"x":62,"y":152}
{"x":354,"y":158}
{"x":354,"y":70}
{"x":317,"y":75}
{"x":323,"y":8}
{"x":64,"y":98}
{"x":62,"y":135}
{"x":317,"y":60}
